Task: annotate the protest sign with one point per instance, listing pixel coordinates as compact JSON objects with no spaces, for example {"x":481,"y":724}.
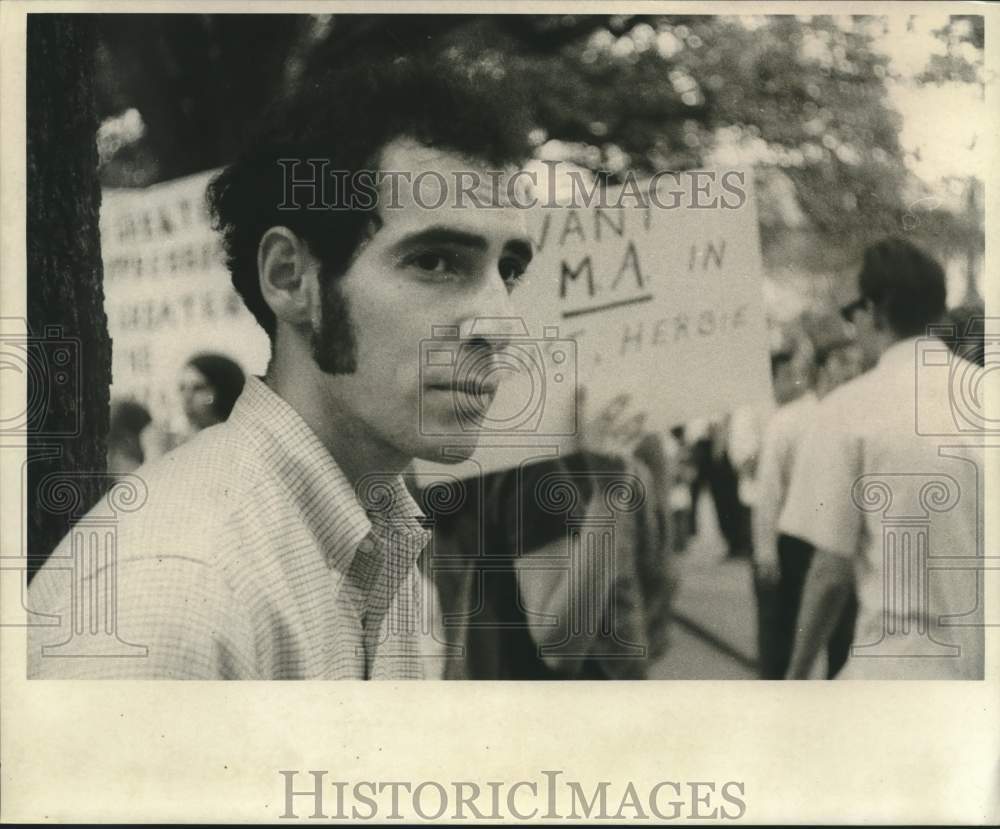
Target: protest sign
{"x":167,"y":291}
{"x":654,"y":306}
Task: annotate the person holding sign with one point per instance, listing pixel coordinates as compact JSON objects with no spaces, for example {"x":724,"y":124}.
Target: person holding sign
{"x":281,"y":543}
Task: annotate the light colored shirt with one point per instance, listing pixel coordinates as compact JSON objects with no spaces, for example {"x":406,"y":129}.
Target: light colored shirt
{"x":746,"y":426}
{"x":252,"y":557}
{"x":870,"y":483}
{"x":782,"y":434}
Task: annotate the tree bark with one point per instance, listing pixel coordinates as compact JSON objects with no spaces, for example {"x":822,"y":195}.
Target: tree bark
{"x":68,"y":334}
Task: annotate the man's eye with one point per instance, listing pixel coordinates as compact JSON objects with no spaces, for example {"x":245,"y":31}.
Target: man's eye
{"x":431,"y":262}
{"x":511,"y":271}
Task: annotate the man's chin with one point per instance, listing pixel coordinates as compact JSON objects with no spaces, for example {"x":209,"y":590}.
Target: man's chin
{"x":449,"y":450}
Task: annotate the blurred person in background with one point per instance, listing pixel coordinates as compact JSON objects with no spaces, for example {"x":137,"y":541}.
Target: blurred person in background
{"x":655,"y":543}
{"x":745,"y":426}
{"x":864,"y":450}
{"x":635,"y":619}
{"x":746,"y":430}
{"x":208,"y":386}
{"x":713,"y":467}
{"x":968,"y":335}
{"x":698,"y":445}
{"x":781,"y":561}
{"x":724,"y":456}
{"x":682,"y":474}
{"x":128,"y":420}
{"x":513,"y":609}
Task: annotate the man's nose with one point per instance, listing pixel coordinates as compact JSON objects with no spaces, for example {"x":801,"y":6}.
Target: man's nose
{"x":493,"y":333}
{"x":492,"y":320}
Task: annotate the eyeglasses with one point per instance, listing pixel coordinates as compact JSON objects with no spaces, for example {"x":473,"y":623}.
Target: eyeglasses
{"x":849,"y":310}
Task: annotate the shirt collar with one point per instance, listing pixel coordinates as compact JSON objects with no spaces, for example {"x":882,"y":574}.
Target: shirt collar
{"x":329,"y":504}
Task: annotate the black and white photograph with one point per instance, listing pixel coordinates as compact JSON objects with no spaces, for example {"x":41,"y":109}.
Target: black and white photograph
{"x":567,"y":343}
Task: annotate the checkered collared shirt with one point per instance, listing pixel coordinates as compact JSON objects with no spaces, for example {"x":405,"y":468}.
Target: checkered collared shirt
{"x":252,"y":557}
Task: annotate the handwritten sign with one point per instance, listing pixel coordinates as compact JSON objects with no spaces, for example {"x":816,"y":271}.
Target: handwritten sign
{"x":657,"y":311}
{"x":167,"y":291}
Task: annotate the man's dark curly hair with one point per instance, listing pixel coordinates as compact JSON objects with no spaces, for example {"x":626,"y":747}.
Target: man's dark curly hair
{"x":906,"y":283}
{"x":348,"y":116}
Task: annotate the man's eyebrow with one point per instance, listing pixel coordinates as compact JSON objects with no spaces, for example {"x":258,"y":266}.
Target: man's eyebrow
{"x":440,"y":234}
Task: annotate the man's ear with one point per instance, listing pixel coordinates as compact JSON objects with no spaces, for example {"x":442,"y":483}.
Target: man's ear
{"x":288,"y":274}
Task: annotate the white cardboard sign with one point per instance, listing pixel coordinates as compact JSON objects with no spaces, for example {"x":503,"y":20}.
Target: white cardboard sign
{"x":657,"y":311}
{"x":167,"y":291}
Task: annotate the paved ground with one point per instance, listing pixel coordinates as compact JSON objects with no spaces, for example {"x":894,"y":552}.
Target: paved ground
{"x":692,"y":657}
{"x":714,"y":636}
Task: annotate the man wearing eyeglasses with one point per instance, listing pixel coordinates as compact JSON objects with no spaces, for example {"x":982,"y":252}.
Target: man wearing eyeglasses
{"x":866,"y":484}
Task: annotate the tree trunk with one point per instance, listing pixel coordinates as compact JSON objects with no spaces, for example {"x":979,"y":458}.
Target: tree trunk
{"x":69,"y":345}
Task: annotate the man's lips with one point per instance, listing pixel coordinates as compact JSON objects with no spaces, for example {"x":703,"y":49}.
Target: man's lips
{"x":475,"y":389}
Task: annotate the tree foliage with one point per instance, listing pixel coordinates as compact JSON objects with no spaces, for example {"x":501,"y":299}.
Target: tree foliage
{"x":802,"y":97}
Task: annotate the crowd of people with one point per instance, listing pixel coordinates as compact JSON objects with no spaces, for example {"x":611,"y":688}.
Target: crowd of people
{"x":285,"y":535}
{"x":846,"y":533}
{"x":500,"y":597}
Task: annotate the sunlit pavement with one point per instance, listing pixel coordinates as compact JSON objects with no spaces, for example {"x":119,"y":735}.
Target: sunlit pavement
{"x":714,"y":636}
{"x":690,"y":656}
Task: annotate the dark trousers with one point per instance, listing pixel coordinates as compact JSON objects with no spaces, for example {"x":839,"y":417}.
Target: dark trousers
{"x":724,"y":485}
{"x":778,"y":611}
